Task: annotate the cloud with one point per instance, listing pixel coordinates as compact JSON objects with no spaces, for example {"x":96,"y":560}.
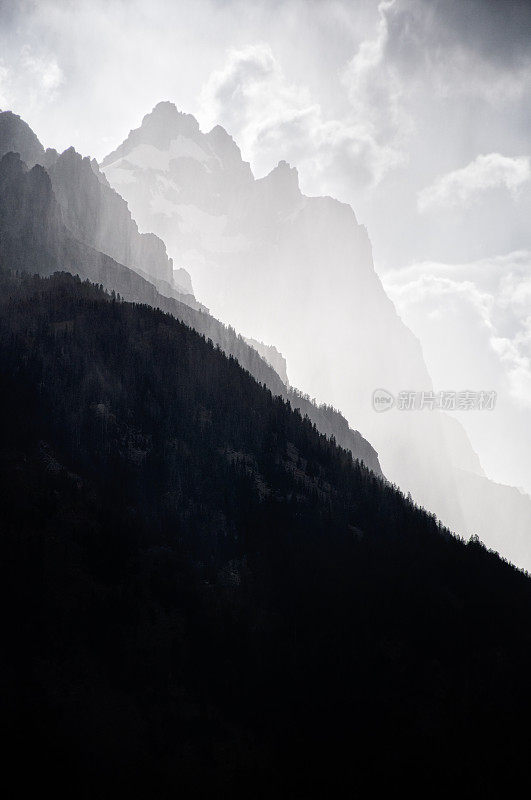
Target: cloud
{"x":32,"y":73}
{"x":489,"y":303}
{"x":369,"y":100}
{"x":474,"y":321}
{"x":480,"y":47}
{"x":497,"y":29}
{"x":43,"y":70}
{"x":460,"y":187}
{"x":374,"y":87}
{"x":253,"y":99}
{"x":274,"y":118}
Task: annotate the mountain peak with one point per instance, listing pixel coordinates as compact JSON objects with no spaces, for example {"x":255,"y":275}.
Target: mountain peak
{"x":16,"y":136}
{"x":70,"y":153}
{"x":164,"y":107}
{"x":163,"y":124}
{"x":286,"y":173}
{"x":283,"y":181}
{"x":11,"y":162}
{"x":166,"y":118}
{"x":224,"y":146}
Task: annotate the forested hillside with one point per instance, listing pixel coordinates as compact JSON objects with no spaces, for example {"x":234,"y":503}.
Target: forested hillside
{"x":204,"y":596}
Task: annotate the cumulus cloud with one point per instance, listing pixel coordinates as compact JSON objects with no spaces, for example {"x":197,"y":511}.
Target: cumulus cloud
{"x":272,"y":117}
{"x":474,"y":322}
{"x":375,"y":89}
{"x":253,"y":99}
{"x":489,"y":301}
{"x":460,"y":187}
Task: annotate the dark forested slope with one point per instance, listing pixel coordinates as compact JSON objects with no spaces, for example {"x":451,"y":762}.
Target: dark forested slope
{"x":205,"y":596}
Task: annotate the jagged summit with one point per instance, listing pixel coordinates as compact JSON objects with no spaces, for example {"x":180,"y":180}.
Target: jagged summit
{"x":164,"y":108}
{"x":12,"y":162}
{"x":219,"y":130}
{"x":62,"y":218}
{"x":225,"y":147}
{"x":92,"y":211}
{"x":283,"y":181}
{"x":12,"y":165}
{"x":298,"y":272}
{"x":283,"y":166}
{"x":166,"y":115}
{"x":17,"y":136}
{"x":169,"y":139}
{"x":164,"y":124}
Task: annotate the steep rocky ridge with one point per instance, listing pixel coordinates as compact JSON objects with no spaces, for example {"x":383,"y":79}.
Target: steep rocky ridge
{"x":33,"y":238}
{"x":95,"y":213}
{"x":297,"y":272}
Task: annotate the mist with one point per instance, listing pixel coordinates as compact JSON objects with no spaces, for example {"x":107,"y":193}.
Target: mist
{"x":265,"y":418}
{"x":416,"y":113}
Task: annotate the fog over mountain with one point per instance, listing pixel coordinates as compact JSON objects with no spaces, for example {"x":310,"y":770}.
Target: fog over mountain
{"x":415,"y":112}
{"x":473,"y":321}
{"x":66,"y":217}
{"x":265,"y":370}
{"x":287,"y":237}
{"x":297,"y":271}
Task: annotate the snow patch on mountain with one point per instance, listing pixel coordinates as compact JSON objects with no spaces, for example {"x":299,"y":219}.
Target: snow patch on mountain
{"x":147,"y":156}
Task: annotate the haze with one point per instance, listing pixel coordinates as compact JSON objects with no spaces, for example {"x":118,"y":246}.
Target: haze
{"x":417,"y":113}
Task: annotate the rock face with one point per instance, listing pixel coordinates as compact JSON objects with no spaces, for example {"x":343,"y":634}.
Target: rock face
{"x":95,"y":213}
{"x":297,"y":272}
{"x":16,"y":136}
{"x":252,"y":243}
{"x":270,"y":354}
{"x":33,"y":237}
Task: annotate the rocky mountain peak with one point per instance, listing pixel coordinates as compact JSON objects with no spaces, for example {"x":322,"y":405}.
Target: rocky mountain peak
{"x":159,"y":128}
{"x":166,"y":118}
{"x":11,"y":163}
{"x":225,"y":147}
{"x":282,"y":183}
{"x":13,"y":168}
{"x":16,"y":136}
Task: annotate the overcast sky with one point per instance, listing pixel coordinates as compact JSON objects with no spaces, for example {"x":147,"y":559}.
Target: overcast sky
{"x":417,"y":112}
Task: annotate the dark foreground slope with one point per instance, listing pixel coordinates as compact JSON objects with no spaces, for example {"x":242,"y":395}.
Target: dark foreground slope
{"x":203,"y":596}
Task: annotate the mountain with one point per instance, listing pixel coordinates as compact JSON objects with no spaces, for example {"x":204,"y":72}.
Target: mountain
{"x":203,"y":595}
{"x":94,"y":213}
{"x":251,"y":242}
{"x":97,"y":215}
{"x":297,"y":273}
{"x":275,"y":359}
{"x":16,"y":136}
{"x":34,"y":237}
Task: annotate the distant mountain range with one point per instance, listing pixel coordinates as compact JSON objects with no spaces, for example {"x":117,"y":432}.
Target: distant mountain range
{"x":296,"y":273}
{"x":293,"y":274}
{"x":62,"y":215}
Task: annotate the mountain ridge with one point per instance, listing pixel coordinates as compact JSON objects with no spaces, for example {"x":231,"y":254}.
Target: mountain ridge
{"x":297,"y":272}
{"x":34,"y":237}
